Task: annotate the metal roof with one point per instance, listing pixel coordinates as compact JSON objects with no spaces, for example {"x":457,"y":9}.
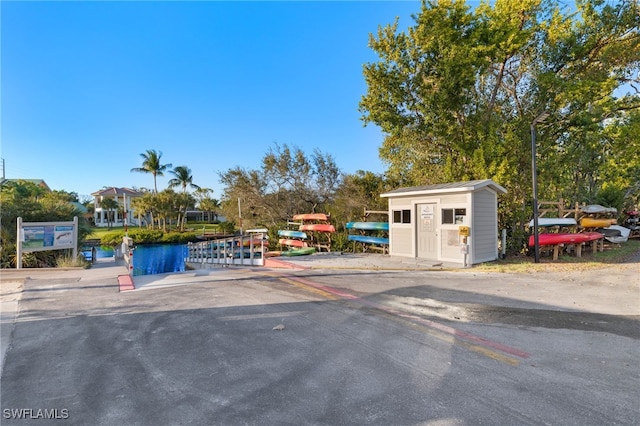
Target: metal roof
{"x":440,"y":188}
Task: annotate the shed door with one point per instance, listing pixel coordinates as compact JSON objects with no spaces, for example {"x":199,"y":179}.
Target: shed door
{"x":426,"y":232}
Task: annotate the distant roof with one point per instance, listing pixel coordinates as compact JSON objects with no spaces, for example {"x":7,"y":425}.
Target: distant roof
{"x":38,"y":182}
{"x":82,"y":209}
{"x":469,"y":186}
{"x":117,"y":191}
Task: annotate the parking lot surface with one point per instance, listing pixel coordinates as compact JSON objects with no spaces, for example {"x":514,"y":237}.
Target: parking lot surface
{"x":356,"y":340}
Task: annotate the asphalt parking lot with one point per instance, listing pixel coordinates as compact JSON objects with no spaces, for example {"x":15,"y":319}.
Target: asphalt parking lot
{"x":329,"y":345}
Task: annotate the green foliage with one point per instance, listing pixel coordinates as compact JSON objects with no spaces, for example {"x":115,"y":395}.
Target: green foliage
{"x":34,"y":204}
{"x":152,"y":164}
{"x":182,"y":178}
{"x":455,"y":96}
{"x":611,"y":196}
{"x":289,"y":182}
{"x":148,"y":236}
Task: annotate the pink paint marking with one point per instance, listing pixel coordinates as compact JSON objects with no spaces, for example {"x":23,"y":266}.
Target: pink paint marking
{"x":435,"y":325}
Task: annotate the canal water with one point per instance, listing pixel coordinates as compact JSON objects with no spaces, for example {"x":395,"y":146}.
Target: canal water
{"x":151,"y":259}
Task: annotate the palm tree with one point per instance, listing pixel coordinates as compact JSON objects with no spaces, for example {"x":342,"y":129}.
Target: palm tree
{"x":151,"y":164}
{"x":109,"y":205}
{"x":182,"y":178}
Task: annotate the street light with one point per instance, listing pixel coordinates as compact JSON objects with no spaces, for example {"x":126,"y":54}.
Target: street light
{"x":536,"y":238}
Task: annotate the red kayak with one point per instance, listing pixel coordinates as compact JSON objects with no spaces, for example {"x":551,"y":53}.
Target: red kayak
{"x":546,"y":239}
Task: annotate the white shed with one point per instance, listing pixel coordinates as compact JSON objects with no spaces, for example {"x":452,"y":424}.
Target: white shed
{"x":452,"y":222}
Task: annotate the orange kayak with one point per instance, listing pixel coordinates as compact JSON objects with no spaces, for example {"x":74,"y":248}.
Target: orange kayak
{"x":318,"y":227}
{"x":310,"y":216}
{"x":292,"y":243}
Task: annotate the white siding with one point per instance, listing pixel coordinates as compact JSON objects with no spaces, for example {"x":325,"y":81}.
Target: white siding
{"x":484,"y":229}
{"x":400,"y":241}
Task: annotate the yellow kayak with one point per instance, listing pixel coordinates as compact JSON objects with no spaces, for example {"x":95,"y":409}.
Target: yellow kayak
{"x":590,"y":222}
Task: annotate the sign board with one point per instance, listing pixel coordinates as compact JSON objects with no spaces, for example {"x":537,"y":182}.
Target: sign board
{"x":464,"y":231}
{"x":41,"y":236}
{"x":426,"y":212}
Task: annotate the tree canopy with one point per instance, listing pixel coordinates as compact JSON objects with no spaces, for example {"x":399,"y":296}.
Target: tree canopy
{"x":456,"y":94}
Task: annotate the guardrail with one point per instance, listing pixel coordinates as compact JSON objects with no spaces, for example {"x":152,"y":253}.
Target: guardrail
{"x":239,"y":250}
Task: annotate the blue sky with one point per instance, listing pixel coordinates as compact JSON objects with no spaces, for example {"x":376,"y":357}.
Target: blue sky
{"x":88,"y":86}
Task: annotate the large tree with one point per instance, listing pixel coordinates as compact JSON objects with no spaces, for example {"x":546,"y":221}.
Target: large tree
{"x":152,"y":164}
{"x":455,"y":95}
{"x":289,"y":182}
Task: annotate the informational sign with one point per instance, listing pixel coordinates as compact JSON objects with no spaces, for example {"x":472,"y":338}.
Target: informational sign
{"x":41,"y":236}
{"x":464,"y":231}
{"x":426,"y":212}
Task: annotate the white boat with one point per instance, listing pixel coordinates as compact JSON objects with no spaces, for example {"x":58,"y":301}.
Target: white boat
{"x":555,"y":221}
{"x":622,"y":238}
{"x":597,"y":208}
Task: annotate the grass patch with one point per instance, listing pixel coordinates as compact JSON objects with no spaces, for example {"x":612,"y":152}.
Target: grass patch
{"x":612,"y":254}
{"x":68,"y":261}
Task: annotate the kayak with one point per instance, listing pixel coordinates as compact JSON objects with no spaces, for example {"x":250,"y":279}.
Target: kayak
{"x":368,"y":240}
{"x":368,"y":226}
{"x":597,"y":208}
{"x":554,"y":221}
{"x":622,"y":237}
{"x":292,"y":234}
{"x":548,"y":239}
{"x":318,"y":227}
{"x":292,"y":243}
{"x":311,"y":216}
{"x":299,"y":252}
{"x":590,"y":222}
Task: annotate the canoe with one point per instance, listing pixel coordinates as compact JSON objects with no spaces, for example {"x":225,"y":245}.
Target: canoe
{"x":622,"y":238}
{"x":590,"y":222}
{"x":368,"y":240}
{"x":299,"y":252}
{"x":368,"y":226}
{"x":318,"y":227}
{"x":548,"y":239}
{"x":292,"y":243}
{"x":292,"y":234}
{"x":554,"y":221}
{"x":607,"y":232}
{"x":597,"y":208}
{"x":310,"y":216}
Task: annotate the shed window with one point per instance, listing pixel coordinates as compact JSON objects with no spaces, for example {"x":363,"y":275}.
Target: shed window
{"x":451,"y":216}
{"x":402,"y":216}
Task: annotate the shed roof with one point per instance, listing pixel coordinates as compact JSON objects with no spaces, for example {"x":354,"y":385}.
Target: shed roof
{"x":440,"y":188}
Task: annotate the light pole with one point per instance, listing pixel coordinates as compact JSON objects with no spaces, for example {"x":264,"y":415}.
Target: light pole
{"x":534,"y":176}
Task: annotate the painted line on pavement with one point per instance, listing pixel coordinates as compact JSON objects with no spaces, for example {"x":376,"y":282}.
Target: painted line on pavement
{"x":469,"y":340}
